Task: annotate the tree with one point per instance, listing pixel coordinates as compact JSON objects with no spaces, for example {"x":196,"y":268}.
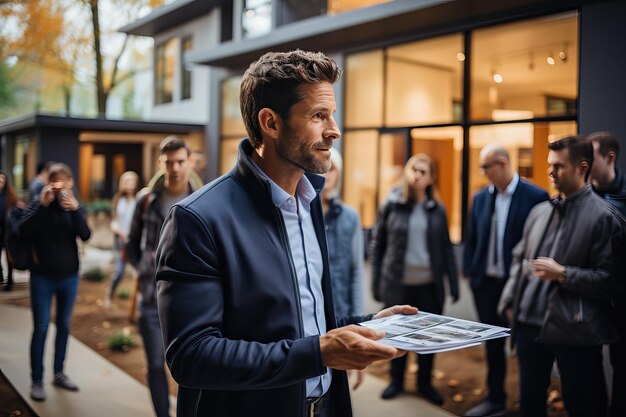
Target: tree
{"x":7,"y":92}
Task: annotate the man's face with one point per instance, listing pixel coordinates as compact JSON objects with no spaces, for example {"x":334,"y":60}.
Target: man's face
{"x":175,"y":166}
{"x":601,"y":167}
{"x":309,"y":132}
{"x":565,"y":176}
{"x":493,"y":168}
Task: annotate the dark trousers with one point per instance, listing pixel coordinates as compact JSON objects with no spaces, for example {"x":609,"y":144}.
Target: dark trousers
{"x":42,"y":289}
{"x":486,"y":298}
{"x":618,"y":362}
{"x":582,"y":383}
{"x":150,"y":329}
{"x":424,"y":297}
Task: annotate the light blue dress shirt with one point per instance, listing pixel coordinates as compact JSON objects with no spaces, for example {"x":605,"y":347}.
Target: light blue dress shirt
{"x":307,"y":260}
{"x":495,"y":268}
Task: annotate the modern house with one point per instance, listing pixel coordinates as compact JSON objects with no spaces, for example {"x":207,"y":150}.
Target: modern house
{"x":441,"y":77}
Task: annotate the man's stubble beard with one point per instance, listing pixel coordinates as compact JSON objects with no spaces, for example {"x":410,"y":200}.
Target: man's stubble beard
{"x":299,"y":154}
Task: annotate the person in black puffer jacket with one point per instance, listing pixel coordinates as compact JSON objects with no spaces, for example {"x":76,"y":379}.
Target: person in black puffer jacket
{"x":411,"y":256}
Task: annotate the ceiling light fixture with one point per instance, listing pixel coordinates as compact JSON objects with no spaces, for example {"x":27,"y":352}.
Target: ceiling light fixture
{"x":497,"y":77}
{"x":550,"y":59}
{"x":460,"y":56}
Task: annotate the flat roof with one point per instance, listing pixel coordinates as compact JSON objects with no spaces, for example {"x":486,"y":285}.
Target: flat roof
{"x":374,"y":25}
{"x":104,"y":125}
{"x":171,"y":15}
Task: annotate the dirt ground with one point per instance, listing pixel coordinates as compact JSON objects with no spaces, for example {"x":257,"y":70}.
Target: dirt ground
{"x":458,"y":375}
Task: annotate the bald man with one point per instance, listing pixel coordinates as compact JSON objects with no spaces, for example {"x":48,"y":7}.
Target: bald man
{"x":495,"y":227}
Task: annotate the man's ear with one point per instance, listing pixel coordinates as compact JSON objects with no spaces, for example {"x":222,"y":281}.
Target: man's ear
{"x":611,"y":157}
{"x":270,"y":123}
{"x":584,"y":167}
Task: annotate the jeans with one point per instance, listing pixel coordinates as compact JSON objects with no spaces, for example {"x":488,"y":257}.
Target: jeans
{"x":582,"y":384}
{"x":120,"y":265}
{"x":150,"y":329}
{"x":42,"y":289}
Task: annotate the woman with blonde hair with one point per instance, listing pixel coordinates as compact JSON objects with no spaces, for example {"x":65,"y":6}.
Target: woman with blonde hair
{"x":411,"y":256}
{"x":122,"y":208}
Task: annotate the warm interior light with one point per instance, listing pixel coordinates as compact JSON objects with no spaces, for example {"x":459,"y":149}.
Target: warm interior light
{"x":497,"y":77}
{"x":563,"y":56}
{"x":250,"y":13}
{"x":550,"y":60}
{"x":460,"y":56}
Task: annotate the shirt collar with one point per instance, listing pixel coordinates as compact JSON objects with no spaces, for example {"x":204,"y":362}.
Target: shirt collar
{"x":510,"y":189}
{"x":305,"y":192}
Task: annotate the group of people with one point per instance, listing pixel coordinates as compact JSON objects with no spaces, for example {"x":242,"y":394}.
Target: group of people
{"x":252,"y":286}
{"x":551,"y":269}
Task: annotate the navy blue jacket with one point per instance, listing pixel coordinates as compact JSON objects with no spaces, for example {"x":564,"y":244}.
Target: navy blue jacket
{"x":229,"y":303}
{"x":525,"y":197}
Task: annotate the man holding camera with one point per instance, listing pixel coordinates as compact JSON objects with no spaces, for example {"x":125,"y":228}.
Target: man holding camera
{"x":51,"y":224}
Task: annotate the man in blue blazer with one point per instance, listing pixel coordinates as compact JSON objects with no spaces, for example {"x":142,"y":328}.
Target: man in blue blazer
{"x":495,"y":227}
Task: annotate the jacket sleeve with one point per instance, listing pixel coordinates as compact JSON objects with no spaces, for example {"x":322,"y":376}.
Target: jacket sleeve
{"x":378,"y":247}
{"x":133,"y":246}
{"x":191,"y":287}
{"x":31,"y":220}
{"x":451,"y":268}
{"x":508,"y":293}
{"x":79,"y":218}
{"x":596,"y":282}
{"x":356,"y":270}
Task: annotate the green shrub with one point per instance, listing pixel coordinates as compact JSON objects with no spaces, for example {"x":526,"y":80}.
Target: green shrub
{"x":95,"y":274}
{"x":98,"y":206}
{"x":123,"y":294}
{"x":121,"y":342}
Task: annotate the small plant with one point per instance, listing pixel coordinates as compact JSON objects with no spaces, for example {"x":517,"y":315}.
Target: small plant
{"x":121,"y":342}
{"x":98,"y":206}
{"x":123,"y":294}
{"x":95,"y":275}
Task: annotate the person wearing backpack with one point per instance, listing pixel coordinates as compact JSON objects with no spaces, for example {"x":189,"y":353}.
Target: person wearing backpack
{"x":8,"y":199}
{"x":51,"y":224}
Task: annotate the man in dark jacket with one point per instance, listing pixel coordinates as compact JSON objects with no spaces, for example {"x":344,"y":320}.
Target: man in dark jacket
{"x":559,"y":294}
{"x":244,"y":291}
{"x":495,"y":226}
{"x":609,"y":182}
{"x":171,"y":186}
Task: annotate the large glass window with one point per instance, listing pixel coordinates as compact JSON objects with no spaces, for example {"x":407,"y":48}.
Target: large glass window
{"x":164,"y":71}
{"x":526,"y":69}
{"x":232,"y":129}
{"x":256,"y":19}
{"x":408,"y":98}
{"x":424,"y":81}
{"x":185,"y":46}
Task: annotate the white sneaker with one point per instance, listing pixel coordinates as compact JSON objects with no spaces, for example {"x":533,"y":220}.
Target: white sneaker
{"x":37,"y":391}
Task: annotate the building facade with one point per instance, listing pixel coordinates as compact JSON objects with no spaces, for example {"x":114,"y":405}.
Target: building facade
{"x":443,"y":78}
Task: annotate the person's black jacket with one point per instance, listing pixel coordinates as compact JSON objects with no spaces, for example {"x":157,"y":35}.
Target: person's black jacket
{"x":389,"y":249}
{"x":53,"y":232}
{"x":230,"y":307}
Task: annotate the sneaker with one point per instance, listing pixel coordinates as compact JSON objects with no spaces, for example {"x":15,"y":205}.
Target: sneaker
{"x":63,"y":381}
{"x":391,"y":391}
{"x":487,"y":408}
{"x":431,"y":395}
{"x":37,"y":391}
{"x":107,"y":302}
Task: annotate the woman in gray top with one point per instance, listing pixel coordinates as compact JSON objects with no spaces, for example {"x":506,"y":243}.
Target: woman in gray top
{"x":411,"y":255}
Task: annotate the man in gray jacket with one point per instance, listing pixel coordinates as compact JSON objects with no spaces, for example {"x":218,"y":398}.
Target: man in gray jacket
{"x":560,"y":287}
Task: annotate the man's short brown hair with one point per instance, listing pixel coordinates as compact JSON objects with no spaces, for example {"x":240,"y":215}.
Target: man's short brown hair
{"x":272,"y":82}
{"x":606,"y":142}
{"x":58,"y":168}
{"x":579,"y":147}
{"x":173,"y":143}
